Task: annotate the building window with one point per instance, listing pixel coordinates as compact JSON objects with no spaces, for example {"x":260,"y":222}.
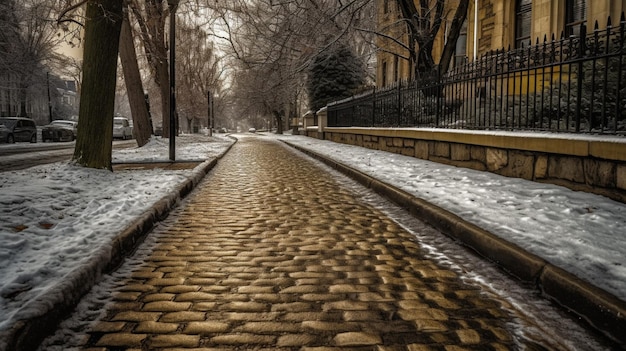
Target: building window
{"x":575,"y":15}
{"x":460,"y":51}
{"x":523,"y":20}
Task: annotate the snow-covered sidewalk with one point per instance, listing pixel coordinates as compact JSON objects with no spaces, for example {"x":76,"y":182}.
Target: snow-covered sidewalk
{"x":57,"y":217}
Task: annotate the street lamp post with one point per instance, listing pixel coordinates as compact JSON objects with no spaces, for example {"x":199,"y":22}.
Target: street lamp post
{"x":210,"y":113}
{"x":49,"y":101}
{"x":173,"y":4}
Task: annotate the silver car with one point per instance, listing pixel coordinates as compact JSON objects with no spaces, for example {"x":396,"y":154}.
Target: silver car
{"x":18,"y":129}
{"x":122,"y":128}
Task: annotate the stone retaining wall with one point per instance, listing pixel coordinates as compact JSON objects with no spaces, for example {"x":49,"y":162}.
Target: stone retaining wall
{"x":583,"y":163}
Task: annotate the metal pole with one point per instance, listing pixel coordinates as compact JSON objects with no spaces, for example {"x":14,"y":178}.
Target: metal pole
{"x":210,"y":113}
{"x":173,"y":4}
{"x":49,"y":101}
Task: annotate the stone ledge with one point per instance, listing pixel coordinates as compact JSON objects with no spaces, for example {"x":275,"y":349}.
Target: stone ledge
{"x":574,"y":144}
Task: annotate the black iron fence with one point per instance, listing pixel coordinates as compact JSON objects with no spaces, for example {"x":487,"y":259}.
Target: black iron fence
{"x":573,"y":84}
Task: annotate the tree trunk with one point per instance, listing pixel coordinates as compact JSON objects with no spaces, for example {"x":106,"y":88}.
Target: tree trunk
{"x":95,"y":131}
{"x":142,"y":126}
{"x":279,"y":122}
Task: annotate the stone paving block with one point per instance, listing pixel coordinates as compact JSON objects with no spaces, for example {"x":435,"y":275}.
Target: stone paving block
{"x":346,"y":305}
{"x":150,"y":327}
{"x":203,"y":306}
{"x":180,"y":340}
{"x":249,"y":316}
{"x":303,"y":289}
{"x":307,"y":316}
{"x":183,"y":316}
{"x":268,"y":327}
{"x":179,"y":289}
{"x":206,"y":327}
{"x":126,"y":296}
{"x":166,"y":306}
{"x":428,"y":325}
{"x":348,"y":289}
{"x":196,"y":296}
{"x":158,"y":297}
{"x":375,"y":297}
{"x":366,"y":316}
{"x":428,"y":313}
{"x":413,"y":304}
{"x":330,"y":326}
{"x":244,"y":306}
{"x":121,"y":340}
{"x":292,"y":307}
{"x":215,"y":289}
{"x":289,"y":340}
{"x":270,"y":298}
{"x":356,"y":339}
{"x":243,"y":339}
{"x":468,"y":336}
{"x":322,"y":297}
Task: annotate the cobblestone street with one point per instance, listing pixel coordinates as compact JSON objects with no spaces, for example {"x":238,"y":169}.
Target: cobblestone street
{"x":270,"y":253}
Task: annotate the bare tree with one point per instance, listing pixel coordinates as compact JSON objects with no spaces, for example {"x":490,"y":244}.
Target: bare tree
{"x":95,"y":132}
{"x":424,"y":21}
{"x":142,"y":125}
{"x":28,"y":35}
{"x":150,"y":17}
{"x":275,"y":42}
{"x":200,"y":72}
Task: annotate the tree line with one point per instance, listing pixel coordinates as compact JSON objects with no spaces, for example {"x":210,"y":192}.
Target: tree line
{"x":262,"y":61}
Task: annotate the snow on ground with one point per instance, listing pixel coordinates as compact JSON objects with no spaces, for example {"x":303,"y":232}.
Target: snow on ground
{"x":55,"y":216}
{"x":79,"y":210}
{"x":580,"y":232}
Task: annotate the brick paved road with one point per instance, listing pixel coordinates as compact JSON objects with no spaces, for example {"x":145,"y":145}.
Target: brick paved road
{"x":270,"y":253}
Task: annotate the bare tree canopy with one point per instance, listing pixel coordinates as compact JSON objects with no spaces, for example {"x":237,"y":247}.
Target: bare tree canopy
{"x":273,"y":43}
{"x":28,"y":37}
{"x":425,"y":21}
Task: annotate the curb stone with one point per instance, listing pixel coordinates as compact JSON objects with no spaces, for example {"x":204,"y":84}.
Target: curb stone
{"x":602,"y":310}
{"x":27,"y":334}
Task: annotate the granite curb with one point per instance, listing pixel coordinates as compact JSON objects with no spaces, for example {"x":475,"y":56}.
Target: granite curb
{"x":602,"y":310}
{"x":27,"y":334}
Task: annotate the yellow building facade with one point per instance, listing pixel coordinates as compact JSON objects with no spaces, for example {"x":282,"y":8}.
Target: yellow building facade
{"x":490,"y":25}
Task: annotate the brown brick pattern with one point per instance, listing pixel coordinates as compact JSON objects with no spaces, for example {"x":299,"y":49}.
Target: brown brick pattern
{"x":265,"y":257}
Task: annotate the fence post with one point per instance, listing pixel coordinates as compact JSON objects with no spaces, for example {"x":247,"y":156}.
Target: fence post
{"x":373,"y":106}
{"x":399,"y":110}
{"x":581,"y":73}
{"x":622,"y":26}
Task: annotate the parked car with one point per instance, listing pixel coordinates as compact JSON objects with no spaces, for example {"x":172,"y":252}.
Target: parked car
{"x":59,"y":130}
{"x":252,"y":130}
{"x":18,"y":129}
{"x":122,"y":128}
